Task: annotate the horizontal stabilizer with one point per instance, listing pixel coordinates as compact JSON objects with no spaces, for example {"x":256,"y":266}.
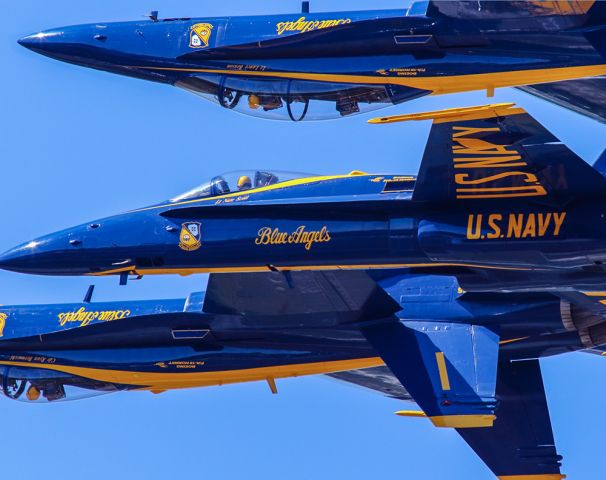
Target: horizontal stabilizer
{"x":449,"y":369}
{"x":498,"y":152}
{"x":520,"y":445}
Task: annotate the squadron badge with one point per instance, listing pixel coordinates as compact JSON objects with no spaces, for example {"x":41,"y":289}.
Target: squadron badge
{"x":191,"y":236}
{"x":3,"y":317}
{"x":199,"y":35}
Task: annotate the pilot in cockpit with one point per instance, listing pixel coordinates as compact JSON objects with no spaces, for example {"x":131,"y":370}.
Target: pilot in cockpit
{"x":244,"y":183}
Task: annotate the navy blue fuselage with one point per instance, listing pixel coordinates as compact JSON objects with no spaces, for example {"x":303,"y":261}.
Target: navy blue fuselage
{"x":356,"y":221}
{"x":160,"y":344}
{"x":325,"y":65}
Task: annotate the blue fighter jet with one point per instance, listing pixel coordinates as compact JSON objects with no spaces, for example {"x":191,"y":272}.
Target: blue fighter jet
{"x":457,"y":280}
{"x":498,"y":201}
{"x":324,"y":65}
{"x":469,"y":360}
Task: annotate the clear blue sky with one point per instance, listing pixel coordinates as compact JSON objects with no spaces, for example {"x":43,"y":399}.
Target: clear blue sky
{"x":77,"y":144}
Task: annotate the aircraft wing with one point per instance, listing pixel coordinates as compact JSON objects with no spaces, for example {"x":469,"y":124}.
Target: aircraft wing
{"x":350,"y":294}
{"x":378,"y":379}
{"x":586,"y":96}
{"x":497,"y":152}
{"x":454,"y":371}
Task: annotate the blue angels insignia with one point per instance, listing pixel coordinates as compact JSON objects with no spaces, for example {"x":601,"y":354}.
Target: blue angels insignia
{"x":200,"y":35}
{"x":191,"y":236}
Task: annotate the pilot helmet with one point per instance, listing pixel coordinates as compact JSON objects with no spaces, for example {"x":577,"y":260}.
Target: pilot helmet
{"x":32,"y":393}
{"x":244,"y":182}
{"x":254,"y":102}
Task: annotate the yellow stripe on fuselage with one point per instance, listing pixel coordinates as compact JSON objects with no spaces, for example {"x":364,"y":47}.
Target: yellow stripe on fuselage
{"x":173,"y":380}
{"x":436,"y":85}
{"x":252,"y":191}
{"x":264,"y":268}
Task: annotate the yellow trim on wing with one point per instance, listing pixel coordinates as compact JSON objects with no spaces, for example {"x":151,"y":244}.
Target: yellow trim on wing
{"x":463,"y":421}
{"x":544,"y":476}
{"x":437,"y":85}
{"x":455,"y":114}
{"x":505,"y":342}
{"x":444,"y":380}
{"x":172,"y":380}
{"x":256,"y":269}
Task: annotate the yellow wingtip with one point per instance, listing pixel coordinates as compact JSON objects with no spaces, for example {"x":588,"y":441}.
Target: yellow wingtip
{"x":480,"y":111}
{"x":463,"y":421}
{"x":544,"y":476}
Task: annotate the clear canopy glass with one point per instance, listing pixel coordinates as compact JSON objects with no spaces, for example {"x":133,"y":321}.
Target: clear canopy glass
{"x":294,"y":100}
{"x":238,"y":181}
{"x":42,"y":386}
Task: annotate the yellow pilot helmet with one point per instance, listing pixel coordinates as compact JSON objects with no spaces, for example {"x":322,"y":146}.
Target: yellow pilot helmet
{"x":244,"y":182}
{"x":33,"y":394}
{"x":254,"y":102}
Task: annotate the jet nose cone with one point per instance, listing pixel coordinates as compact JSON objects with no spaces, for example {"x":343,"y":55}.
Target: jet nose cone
{"x":41,"y":41}
{"x":18,"y":259}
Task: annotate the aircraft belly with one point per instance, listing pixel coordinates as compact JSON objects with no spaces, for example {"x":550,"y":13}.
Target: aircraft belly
{"x":215,"y":364}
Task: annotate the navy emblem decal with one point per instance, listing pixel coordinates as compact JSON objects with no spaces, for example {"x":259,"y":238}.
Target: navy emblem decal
{"x":199,"y":35}
{"x":3,"y":317}
{"x":190,"y":238}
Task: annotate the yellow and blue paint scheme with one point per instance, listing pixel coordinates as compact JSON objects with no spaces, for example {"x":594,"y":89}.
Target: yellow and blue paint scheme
{"x":498,"y":201}
{"x":264,"y":327}
{"x":324,"y":65}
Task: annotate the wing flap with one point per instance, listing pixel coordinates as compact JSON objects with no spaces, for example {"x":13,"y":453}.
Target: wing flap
{"x":449,"y":369}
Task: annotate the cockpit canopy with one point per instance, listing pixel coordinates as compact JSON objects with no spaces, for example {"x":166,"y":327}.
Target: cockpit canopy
{"x":238,"y":181}
{"x":295,"y":100}
{"x":43,"y":386}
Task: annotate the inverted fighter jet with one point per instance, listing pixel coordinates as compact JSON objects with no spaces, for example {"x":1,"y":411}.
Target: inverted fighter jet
{"x":308,"y":66}
{"x":468,"y":360}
